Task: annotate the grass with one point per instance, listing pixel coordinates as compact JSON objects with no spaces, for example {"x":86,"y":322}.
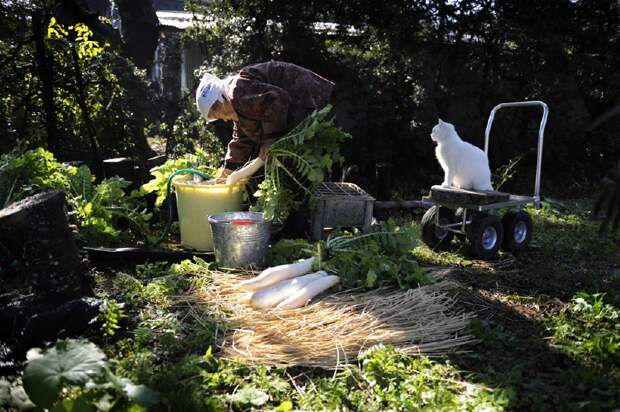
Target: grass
{"x":533,"y":343}
{"x":547,"y":331}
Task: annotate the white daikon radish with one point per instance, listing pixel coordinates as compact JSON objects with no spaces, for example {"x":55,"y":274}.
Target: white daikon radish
{"x":302,"y":296}
{"x":272,"y":295}
{"x":275,"y":274}
{"x":245,"y":171}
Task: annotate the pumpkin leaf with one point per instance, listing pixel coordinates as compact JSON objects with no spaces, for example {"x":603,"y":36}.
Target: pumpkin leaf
{"x":69,"y":361}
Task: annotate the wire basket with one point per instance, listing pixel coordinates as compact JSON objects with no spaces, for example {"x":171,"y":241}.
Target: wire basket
{"x":340,"y":205}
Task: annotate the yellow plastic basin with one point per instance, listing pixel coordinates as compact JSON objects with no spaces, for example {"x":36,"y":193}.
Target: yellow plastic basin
{"x":196,"y":202}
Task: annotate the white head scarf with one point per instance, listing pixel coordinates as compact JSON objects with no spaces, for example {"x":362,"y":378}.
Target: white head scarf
{"x":210,"y":90}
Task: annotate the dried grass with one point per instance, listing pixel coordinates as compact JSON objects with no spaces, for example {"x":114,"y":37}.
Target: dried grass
{"x":331,"y":332}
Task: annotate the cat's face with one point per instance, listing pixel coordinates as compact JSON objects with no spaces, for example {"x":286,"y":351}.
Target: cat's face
{"x":442,"y":131}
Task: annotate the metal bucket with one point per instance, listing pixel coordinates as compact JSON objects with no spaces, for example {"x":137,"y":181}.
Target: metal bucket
{"x":240,"y":239}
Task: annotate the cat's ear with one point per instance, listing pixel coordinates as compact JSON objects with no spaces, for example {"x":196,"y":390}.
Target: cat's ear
{"x":440,"y":121}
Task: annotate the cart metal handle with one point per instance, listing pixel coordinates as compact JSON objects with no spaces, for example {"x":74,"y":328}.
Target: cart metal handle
{"x":541,"y":136}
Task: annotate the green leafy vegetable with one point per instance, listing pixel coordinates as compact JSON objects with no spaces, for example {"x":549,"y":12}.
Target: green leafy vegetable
{"x":22,"y":175}
{"x":201,"y":160}
{"x":379,"y":258}
{"x":297,"y":163}
{"x":103,"y":212}
{"x":289,"y":250}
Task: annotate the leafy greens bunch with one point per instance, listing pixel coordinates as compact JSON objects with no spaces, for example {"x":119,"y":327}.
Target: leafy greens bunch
{"x":379,"y":258}
{"x":297,"y":163}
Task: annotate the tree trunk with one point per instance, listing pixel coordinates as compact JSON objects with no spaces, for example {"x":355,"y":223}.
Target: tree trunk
{"x":44,"y":255}
{"x":90,"y":129}
{"x":45,"y":66}
{"x":140,"y":30}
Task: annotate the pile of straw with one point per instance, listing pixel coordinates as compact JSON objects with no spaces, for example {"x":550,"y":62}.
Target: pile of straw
{"x":331,"y":332}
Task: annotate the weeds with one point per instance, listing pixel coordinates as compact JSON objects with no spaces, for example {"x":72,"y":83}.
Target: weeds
{"x":589,"y":329}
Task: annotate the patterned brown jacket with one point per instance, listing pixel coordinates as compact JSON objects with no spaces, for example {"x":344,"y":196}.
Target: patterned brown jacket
{"x":270,"y":99}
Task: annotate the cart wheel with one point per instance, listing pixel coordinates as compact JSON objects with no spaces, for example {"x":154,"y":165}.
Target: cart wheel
{"x":485,"y":235}
{"x":517,"y":231}
{"x":435,"y":237}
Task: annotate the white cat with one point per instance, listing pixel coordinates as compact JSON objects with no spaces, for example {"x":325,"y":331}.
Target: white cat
{"x":465,"y":165}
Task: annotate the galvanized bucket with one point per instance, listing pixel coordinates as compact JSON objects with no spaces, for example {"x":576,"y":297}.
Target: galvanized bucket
{"x":240,"y":239}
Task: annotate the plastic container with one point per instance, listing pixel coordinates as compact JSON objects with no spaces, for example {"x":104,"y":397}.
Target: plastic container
{"x":196,"y":202}
{"x":240,"y":239}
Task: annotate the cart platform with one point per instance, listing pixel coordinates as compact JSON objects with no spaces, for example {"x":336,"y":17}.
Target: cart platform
{"x":480,"y":201}
{"x":454,"y":195}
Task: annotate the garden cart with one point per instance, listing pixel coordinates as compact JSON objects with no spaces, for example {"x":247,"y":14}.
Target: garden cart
{"x":475,"y":215}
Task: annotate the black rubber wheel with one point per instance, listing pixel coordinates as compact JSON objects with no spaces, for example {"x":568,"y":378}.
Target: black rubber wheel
{"x":485,"y":235}
{"x":517,"y":231}
{"x":437,"y":238}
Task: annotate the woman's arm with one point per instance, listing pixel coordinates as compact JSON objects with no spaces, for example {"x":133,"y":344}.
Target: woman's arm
{"x":240,"y":149}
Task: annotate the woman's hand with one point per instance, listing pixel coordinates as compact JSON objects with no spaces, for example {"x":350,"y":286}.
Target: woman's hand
{"x":245,"y":172}
{"x":221,"y":179}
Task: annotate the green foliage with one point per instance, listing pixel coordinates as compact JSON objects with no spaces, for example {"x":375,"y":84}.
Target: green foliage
{"x":103,"y":212}
{"x":97,"y":98}
{"x":389,"y":380}
{"x":152,"y":270}
{"x":590,"y":329}
{"x":68,"y":362}
{"x":379,"y":258}
{"x":191,"y":133}
{"x":297,"y":163}
{"x":200,"y":160}
{"x":110,"y":315}
{"x":77,"y":364}
{"x":29,"y":173}
{"x":505,"y":173}
{"x":87,"y":49}
{"x":285,"y":251}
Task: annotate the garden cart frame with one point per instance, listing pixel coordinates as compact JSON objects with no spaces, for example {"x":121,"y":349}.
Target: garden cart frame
{"x":475,"y":214}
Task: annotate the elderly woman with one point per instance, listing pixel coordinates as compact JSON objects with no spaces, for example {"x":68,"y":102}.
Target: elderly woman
{"x":264,"y":101}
